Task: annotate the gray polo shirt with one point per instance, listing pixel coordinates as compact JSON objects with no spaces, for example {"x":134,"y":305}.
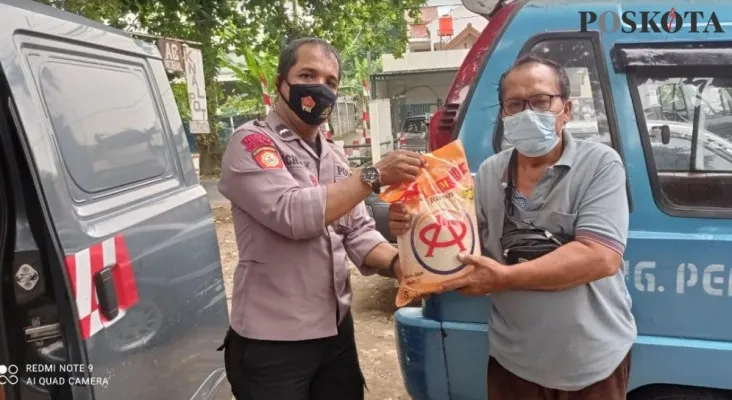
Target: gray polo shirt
{"x":566,"y":339}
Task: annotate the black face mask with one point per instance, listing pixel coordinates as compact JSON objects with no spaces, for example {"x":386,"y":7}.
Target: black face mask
{"x":312,"y":103}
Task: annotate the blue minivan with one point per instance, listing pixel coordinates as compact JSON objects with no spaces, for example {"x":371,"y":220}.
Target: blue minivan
{"x":653,"y":80}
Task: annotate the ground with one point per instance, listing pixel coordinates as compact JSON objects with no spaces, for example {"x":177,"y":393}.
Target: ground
{"x":372,"y":311}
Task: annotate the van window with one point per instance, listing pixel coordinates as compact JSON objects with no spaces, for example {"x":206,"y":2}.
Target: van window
{"x":687,"y":131}
{"x":105,"y":122}
{"x":577,"y":56}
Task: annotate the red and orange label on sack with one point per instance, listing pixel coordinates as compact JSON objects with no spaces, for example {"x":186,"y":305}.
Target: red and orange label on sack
{"x":441,"y":203}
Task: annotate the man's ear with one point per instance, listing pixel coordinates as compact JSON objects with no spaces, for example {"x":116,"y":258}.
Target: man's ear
{"x":567,"y":110}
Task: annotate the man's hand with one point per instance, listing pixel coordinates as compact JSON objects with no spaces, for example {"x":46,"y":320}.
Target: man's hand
{"x":399,"y":166}
{"x":398,"y":270}
{"x":399,"y":219}
{"x":486,"y":276}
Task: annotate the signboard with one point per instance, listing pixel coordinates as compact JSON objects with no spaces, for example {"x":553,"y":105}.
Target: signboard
{"x":172,"y":53}
{"x":196,"y":90}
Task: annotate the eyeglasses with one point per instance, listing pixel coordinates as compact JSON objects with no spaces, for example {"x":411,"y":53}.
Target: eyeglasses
{"x":538,"y":102}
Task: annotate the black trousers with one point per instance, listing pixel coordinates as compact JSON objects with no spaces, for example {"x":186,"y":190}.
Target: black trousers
{"x":319,"y":369}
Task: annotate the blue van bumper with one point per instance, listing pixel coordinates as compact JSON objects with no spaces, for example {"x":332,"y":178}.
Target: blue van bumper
{"x":421,"y":355}
{"x":447,"y":361}
{"x":428,"y":350}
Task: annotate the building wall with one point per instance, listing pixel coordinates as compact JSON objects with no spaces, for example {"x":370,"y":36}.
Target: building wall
{"x":424,"y":60}
{"x":415,"y":88}
{"x":461,"y":17}
{"x":405,"y":90}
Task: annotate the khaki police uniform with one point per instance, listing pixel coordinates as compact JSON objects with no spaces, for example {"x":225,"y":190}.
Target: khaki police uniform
{"x":292,"y":292}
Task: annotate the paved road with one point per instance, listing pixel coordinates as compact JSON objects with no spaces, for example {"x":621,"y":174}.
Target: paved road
{"x":216,"y":198}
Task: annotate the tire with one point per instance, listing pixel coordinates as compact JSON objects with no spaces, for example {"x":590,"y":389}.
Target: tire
{"x":667,"y":392}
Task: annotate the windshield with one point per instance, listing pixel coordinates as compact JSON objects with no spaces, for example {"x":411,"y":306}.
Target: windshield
{"x":698,"y":114}
{"x":414,"y":126}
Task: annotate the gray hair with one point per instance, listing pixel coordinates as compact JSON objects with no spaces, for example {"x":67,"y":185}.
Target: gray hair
{"x":562,"y":78}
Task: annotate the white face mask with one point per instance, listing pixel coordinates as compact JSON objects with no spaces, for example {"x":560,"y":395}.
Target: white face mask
{"x":532,"y":133}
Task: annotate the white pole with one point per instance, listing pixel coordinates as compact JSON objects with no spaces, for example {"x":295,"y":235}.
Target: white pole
{"x":375,"y":117}
{"x":338,"y":117}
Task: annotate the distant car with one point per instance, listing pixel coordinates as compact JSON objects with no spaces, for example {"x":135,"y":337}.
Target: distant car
{"x":413,"y":135}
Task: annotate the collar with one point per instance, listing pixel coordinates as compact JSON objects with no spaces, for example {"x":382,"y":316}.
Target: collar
{"x":569,"y":152}
{"x":277,"y":126}
{"x":280,"y":128}
{"x":567,"y":158}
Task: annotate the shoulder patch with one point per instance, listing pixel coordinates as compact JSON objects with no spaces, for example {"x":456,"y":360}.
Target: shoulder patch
{"x":254,"y":141}
{"x":267,"y":157}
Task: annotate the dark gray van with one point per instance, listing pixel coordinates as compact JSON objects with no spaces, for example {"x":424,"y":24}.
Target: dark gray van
{"x":111,"y":278}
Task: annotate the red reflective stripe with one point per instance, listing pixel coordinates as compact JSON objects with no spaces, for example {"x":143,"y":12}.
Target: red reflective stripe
{"x":86,"y":301}
{"x":124,"y":276}
{"x":96,"y":263}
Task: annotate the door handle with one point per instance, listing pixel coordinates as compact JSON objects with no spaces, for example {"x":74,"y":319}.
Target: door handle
{"x":106,"y":293}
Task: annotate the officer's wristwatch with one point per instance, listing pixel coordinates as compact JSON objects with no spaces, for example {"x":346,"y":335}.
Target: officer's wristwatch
{"x":372,"y":177}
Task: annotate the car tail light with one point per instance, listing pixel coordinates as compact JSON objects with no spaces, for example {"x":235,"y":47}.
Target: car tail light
{"x":442,"y":124}
{"x":402,"y":141}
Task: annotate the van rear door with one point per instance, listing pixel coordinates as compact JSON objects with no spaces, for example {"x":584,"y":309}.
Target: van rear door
{"x":97,"y":122}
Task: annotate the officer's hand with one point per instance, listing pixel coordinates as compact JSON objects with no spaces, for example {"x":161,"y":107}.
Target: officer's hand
{"x":399,"y":219}
{"x":398,"y":274}
{"x":399,"y":166}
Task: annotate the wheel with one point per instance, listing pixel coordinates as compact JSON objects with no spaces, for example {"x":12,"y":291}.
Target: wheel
{"x":666,"y":392}
{"x":141,"y":324}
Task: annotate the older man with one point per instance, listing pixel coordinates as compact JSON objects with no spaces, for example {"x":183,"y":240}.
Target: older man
{"x":298,"y":214}
{"x":561,"y":325}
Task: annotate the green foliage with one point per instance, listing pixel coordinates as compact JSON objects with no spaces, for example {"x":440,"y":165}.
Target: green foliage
{"x":355,"y":26}
{"x":180,"y":92}
{"x":241,"y":105}
{"x":362,"y":30}
{"x":255,"y":67}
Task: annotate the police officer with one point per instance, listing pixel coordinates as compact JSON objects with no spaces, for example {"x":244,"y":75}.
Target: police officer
{"x":298,"y":213}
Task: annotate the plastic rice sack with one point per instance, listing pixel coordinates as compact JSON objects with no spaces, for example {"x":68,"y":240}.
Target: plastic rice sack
{"x":441,"y":203}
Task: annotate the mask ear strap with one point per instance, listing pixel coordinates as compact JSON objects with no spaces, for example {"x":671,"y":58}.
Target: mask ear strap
{"x":279,"y":86}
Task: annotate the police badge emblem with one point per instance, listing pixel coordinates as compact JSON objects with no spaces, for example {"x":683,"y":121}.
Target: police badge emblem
{"x":308,"y":103}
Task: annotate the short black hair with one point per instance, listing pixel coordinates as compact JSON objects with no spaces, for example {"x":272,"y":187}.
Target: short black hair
{"x":562,"y":78}
{"x":288,"y":55}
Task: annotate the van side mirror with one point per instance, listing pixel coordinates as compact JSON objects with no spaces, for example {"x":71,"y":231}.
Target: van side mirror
{"x":663,"y":131}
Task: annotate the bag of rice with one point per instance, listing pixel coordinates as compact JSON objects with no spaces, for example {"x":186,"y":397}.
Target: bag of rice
{"x":441,"y":204}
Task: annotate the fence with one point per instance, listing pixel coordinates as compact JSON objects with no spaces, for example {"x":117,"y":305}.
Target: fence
{"x":359,"y":155}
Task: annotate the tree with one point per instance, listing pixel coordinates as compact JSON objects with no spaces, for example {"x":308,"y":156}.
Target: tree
{"x":379,"y":25}
{"x":362,"y":30}
{"x":256,"y":69}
